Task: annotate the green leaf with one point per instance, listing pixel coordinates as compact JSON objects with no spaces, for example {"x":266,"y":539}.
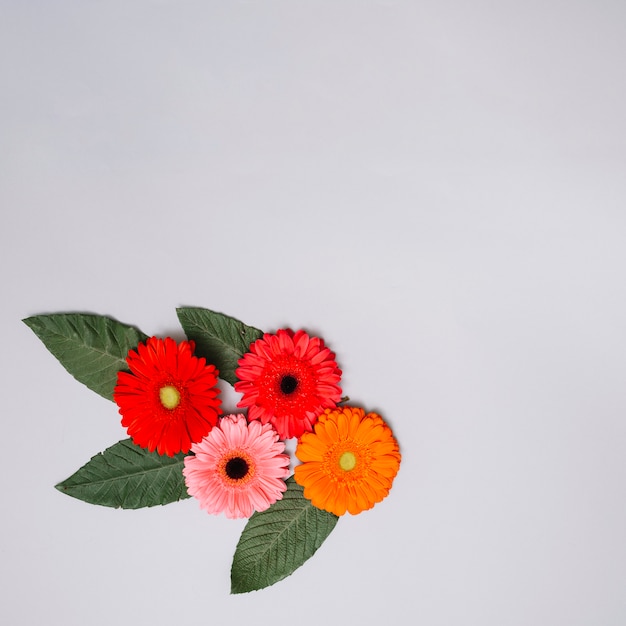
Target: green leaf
{"x":220,"y":339}
{"x":277,"y":541}
{"x":129,"y":477}
{"x":92,"y":348}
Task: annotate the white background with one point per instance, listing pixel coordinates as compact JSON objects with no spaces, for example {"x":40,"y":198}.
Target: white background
{"x":437,"y":188}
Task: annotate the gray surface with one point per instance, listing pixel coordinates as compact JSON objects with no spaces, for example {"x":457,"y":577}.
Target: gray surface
{"x":437,"y":188}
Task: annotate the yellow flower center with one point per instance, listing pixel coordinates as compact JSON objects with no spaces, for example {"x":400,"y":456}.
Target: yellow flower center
{"x":347,"y":461}
{"x":169,"y":396}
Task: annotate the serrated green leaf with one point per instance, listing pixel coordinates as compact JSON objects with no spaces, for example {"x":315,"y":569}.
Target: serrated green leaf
{"x":128,"y":477}
{"x":220,"y":339}
{"x":277,"y":541}
{"x":92,"y":348}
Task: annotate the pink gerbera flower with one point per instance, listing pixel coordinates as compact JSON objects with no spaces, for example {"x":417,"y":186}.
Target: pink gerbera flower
{"x":288,"y":379}
{"x":238,"y":468}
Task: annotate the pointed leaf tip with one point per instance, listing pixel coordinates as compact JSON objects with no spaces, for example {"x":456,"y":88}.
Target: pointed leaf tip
{"x":92,"y":348}
{"x":222,"y":340}
{"x":278,"y":541}
{"x":128,"y":477}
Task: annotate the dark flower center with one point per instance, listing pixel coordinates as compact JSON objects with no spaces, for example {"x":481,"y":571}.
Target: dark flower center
{"x":288,"y":384}
{"x":236,"y":468}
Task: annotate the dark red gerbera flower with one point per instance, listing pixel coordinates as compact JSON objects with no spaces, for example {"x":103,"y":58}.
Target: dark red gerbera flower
{"x":288,"y":379}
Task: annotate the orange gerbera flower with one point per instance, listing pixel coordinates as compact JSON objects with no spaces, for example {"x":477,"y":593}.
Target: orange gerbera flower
{"x":169,"y":399}
{"x":348,"y":462}
{"x":288,"y":379}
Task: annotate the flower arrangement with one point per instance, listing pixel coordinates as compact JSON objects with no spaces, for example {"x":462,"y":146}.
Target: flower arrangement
{"x":182,"y":445}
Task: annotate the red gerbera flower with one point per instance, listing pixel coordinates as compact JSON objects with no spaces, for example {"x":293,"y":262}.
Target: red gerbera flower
{"x":289,"y":380}
{"x":169,"y":400}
